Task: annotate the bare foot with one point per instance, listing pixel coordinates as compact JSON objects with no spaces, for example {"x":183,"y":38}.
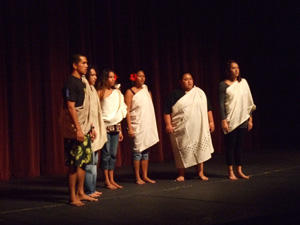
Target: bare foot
{"x":148,"y":180}
{"x":116,"y":185}
{"x":140,"y":181}
{"x":98,"y":193}
{"x":76,"y":202}
{"x":85,"y":197}
{"x":202,"y":177}
{"x":110,"y":185}
{"x":180,"y":178}
{"x":231,"y":175}
{"x":241,"y":175}
{"x":94,"y":195}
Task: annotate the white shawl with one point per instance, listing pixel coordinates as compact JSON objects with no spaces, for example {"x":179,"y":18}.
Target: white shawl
{"x":97,"y":120}
{"x":238,"y":104}
{"x":191,"y":137}
{"x":113,"y":108}
{"x":143,"y":120}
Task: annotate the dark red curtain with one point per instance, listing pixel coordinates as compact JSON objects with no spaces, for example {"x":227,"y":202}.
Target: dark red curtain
{"x":164,"y":38}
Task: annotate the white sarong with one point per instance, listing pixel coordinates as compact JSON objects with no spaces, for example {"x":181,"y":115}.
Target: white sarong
{"x":191,"y":140}
{"x":143,"y":120}
{"x":238,"y":104}
{"x":113,"y":108}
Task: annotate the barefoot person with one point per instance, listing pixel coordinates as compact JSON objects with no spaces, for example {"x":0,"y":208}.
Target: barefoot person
{"x":189,"y":121}
{"x":98,"y":124}
{"x":113,"y":112}
{"x":141,"y":123}
{"x":236,"y":106}
{"x":77,"y":130}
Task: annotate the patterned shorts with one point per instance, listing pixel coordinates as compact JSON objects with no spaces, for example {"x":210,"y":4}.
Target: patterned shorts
{"x":78,"y":153}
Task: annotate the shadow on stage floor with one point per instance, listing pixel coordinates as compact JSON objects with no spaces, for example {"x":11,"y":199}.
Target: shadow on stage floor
{"x":271,"y":196}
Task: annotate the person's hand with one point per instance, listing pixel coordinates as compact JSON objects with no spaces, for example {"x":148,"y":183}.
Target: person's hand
{"x":93,"y":135}
{"x":225,"y":126}
{"x":130,"y":132}
{"x":121,"y":136}
{"x":211,"y":127}
{"x":169,"y":129}
{"x":250,"y":125}
{"x":79,"y":136}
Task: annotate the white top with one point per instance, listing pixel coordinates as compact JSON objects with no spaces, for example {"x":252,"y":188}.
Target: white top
{"x":113,"y":108}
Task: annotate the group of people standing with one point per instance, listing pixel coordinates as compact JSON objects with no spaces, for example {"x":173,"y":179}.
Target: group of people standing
{"x":91,"y":123}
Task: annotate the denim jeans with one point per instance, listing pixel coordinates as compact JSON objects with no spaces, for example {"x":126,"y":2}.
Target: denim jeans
{"x":109,"y":152}
{"x":91,"y":174}
{"x":138,"y":156}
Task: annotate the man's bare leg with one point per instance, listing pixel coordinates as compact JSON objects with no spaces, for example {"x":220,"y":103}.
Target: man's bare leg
{"x":72,"y":176}
{"x":80,"y":189}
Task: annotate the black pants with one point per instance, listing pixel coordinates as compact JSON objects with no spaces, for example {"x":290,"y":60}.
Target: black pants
{"x":233,"y":143}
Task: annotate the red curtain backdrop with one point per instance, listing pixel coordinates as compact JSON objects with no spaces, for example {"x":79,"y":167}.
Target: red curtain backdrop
{"x":164,"y":38}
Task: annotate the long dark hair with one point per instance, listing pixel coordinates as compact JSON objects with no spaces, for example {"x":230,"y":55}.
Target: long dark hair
{"x":88,"y":73}
{"x":103,"y":79}
{"x":227,"y":70}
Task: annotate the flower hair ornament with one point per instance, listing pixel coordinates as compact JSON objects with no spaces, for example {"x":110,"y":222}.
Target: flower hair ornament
{"x":117,"y":86}
{"x":133,"y":77}
{"x":116,"y":77}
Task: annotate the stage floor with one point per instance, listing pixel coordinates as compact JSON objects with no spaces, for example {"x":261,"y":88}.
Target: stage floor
{"x":271,"y":196}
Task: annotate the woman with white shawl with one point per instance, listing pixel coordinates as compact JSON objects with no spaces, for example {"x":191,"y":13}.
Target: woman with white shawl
{"x":141,"y":123}
{"x":113,"y":112}
{"x":95,"y":116}
{"x":236,"y":107}
{"x":189,"y":121}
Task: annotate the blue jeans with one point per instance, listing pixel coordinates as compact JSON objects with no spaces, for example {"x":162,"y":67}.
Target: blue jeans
{"x":91,"y":175}
{"x":138,"y":156}
{"x":109,"y":152}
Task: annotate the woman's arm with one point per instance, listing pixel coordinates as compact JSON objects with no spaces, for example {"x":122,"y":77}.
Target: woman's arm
{"x":169,"y":127}
{"x":250,"y":123}
{"x":211,"y":121}
{"x":222,"y":89}
{"x":100,"y":94}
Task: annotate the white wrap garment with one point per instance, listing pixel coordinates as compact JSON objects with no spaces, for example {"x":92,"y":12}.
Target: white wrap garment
{"x":143,"y":120}
{"x":191,"y":140}
{"x":238,"y":104}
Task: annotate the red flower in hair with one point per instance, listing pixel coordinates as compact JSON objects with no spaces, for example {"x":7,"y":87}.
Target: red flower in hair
{"x":116,"y":77}
{"x":133,"y":77}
